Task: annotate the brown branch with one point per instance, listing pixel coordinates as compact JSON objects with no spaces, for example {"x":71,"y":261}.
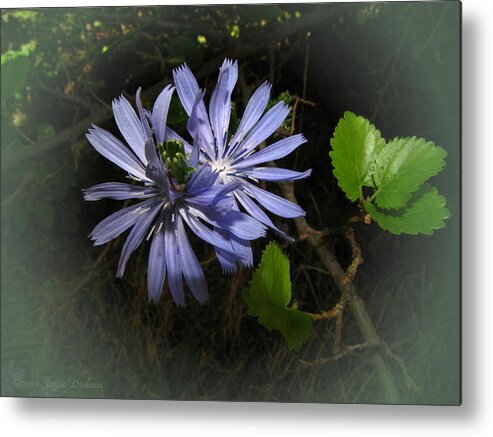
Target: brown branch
{"x":357,"y":259}
{"x":333,"y":313}
{"x":72,"y":98}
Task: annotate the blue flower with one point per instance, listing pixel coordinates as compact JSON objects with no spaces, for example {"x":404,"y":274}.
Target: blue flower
{"x":237,"y":160}
{"x":175,"y":192}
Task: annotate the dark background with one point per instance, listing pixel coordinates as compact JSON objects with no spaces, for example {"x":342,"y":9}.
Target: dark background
{"x":64,"y":315}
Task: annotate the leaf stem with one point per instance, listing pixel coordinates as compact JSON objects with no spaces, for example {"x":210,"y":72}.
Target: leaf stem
{"x":373,"y":196}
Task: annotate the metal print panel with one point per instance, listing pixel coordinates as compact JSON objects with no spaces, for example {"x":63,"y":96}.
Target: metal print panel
{"x":232,"y":202}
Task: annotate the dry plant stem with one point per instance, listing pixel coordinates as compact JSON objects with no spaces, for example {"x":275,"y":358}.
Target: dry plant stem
{"x":345,"y":285}
{"x":342,"y":354}
{"x":297,"y":101}
{"x":92,"y":270}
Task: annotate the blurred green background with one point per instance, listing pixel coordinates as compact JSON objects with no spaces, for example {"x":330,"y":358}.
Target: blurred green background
{"x":70,"y":328}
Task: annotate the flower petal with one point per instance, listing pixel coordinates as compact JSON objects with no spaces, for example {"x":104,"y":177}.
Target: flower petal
{"x":142,"y":113}
{"x":193,"y":159}
{"x":191,"y":268}
{"x":254,"y":110}
{"x":243,"y":251}
{"x":201,"y":179}
{"x":232,"y":67}
{"x":276,"y":174}
{"x":266,"y":126}
{"x":156,"y":270}
{"x":198,"y":126}
{"x":220,"y":104}
{"x":135,"y":238}
{"x":224,"y":191}
{"x":173,"y":264}
{"x":256,"y":212}
{"x":160,"y":112}
{"x":241,"y":254}
{"x":155,"y":168}
{"x":276,"y":204}
{"x":276,"y":151}
{"x":188,"y":89}
{"x":118,"y":191}
{"x":204,"y":232}
{"x":118,"y":222}
{"x":130,"y":126}
{"x":114,"y":150}
{"x":241,"y":248}
{"x":227,"y":261}
{"x":186,"y":86}
{"x":238,"y":223}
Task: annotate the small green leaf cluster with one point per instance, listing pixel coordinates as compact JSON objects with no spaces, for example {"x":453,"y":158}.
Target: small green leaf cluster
{"x":397,"y":171}
{"x":268,"y":297}
{"x":176,"y":160}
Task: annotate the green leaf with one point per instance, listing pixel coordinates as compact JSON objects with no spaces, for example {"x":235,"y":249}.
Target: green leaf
{"x":402,"y":166}
{"x":424,"y":213}
{"x":268,"y":297}
{"x":355,"y":145}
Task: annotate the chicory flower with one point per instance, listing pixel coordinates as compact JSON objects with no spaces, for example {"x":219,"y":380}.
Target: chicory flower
{"x":238,"y":161}
{"x":175,"y":192}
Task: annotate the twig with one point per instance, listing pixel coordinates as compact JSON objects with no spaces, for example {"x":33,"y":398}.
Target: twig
{"x":400,"y":362}
{"x":347,"y":351}
{"x":23,"y":135}
{"x":317,"y":269}
{"x":209,"y":260}
{"x":69,"y":97}
{"x":100,"y":101}
{"x":357,"y":259}
{"x":92,"y":270}
{"x":333,"y":313}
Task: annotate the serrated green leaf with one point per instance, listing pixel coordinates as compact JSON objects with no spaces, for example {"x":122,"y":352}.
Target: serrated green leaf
{"x":424,"y":213}
{"x":268,"y":297}
{"x":355,"y":145}
{"x":402,"y":166}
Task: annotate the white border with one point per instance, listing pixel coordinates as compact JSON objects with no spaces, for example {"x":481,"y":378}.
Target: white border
{"x":28,"y":417}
